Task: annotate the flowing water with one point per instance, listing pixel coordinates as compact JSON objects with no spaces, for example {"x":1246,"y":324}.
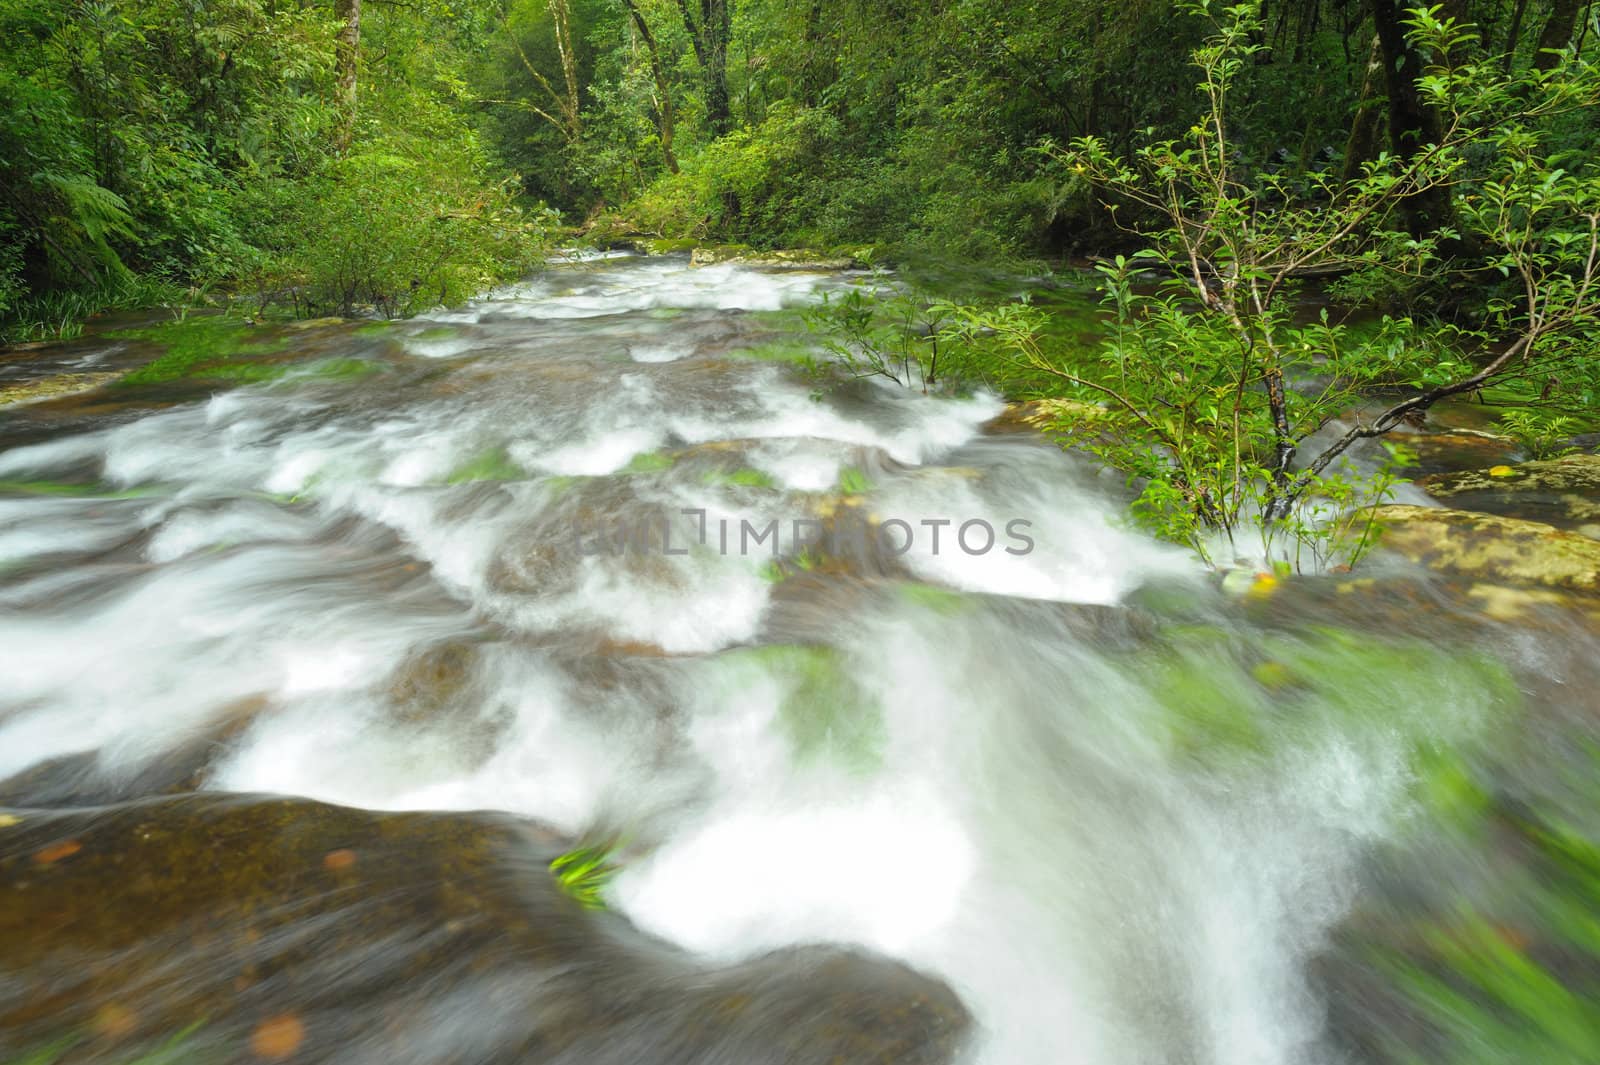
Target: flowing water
{"x":1116,"y":810}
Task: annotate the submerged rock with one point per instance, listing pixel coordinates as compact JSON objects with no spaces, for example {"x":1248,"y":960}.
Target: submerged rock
{"x":1443,"y":453}
{"x":1564,"y":492}
{"x":284,"y":929}
{"x":1492,"y":548}
{"x":91,"y":778}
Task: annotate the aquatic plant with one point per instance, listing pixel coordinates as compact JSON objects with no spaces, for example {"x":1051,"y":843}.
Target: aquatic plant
{"x":584,"y":873}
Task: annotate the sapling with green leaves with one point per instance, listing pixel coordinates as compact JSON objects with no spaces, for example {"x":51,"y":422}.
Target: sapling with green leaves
{"x":1216,"y":396}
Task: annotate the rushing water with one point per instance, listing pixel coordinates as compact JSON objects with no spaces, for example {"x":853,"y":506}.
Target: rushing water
{"x":1035,"y":775}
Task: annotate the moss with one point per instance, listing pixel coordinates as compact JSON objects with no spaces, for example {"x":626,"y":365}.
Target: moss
{"x":824,"y":713}
{"x":791,"y":351}
{"x":1509,"y":975}
{"x":649,"y":462}
{"x":84,"y":491}
{"x":853,"y":482}
{"x":561,"y":484}
{"x":217,"y":348}
{"x":1225,"y":697}
{"x":343,"y":369}
{"x":323,"y":369}
{"x":199,"y":347}
{"x":793,"y":320}
{"x":1487,"y":547}
{"x":741,"y":478}
{"x":671,"y":246}
{"x":491,"y":465}
{"x":932,"y":597}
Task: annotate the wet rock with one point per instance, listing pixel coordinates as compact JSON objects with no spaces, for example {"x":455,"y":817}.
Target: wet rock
{"x":304,"y":324}
{"x":799,"y":259}
{"x":1039,"y":415}
{"x":1564,"y":492}
{"x":284,"y":929}
{"x":1491,"y":548}
{"x":59,"y":386}
{"x":1528,"y":606}
{"x":1017,"y":418}
{"x":1456,"y":452}
{"x":431,"y":679}
{"x":89,"y":779}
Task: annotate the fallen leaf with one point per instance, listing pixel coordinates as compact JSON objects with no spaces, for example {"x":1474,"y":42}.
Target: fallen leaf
{"x":339,"y":859}
{"x":1502,"y":471}
{"x":57,"y":851}
{"x":277,"y":1037}
{"x":1262,"y":587}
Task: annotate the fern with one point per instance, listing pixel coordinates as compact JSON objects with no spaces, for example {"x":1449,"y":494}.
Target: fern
{"x":91,"y":215}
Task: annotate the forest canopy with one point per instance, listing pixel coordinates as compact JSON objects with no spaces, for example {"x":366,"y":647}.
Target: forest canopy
{"x":157,"y":147}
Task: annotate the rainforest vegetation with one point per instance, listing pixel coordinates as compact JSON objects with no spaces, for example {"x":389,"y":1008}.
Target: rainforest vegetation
{"x":238,"y":143}
{"x":1234,"y":253}
{"x":1430,"y":170}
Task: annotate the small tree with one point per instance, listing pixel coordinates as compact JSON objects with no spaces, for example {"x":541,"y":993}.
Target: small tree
{"x":1229,"y":409}
{"x":882,"y":329}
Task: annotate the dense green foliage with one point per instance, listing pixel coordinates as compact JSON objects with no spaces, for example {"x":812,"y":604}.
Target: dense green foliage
{"x":1432,"y":174}
{"x":148,"y":147}
{"x":1227,"y":406}
{"x":1230,"y":409}
{"x":919,"y":123}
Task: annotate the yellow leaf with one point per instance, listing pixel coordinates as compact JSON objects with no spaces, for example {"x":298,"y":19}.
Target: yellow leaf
{"x":278,"y":1037}
{"x":1263,"y":586}
{"x":1502,"y":471}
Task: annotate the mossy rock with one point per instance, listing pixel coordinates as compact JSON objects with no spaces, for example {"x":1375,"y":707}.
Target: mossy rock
{"x":1039,"y":415}
{"x":301,"y":325}
{"x":56,"y":387}
{"x":327,"y":934}
{"x":1491,"y":548}
{"x":796,"y":259}
{"x":1564,"y":492}
{"x":1224,"y":696}
{"x":215,"y":348}
{"x":824,"y":712}
{"x":431,"y":680}
{"x":493,"y":464}
{"x":671,"y":246}
{"x":1449,"y":453}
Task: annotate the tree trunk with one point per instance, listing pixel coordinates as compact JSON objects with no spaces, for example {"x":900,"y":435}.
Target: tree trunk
{"x":1514,"y":34}
{"x":1412,"y":124}
{"x":718,"y":26}
{"x":665,"y":115}
{"x":347,"y":57}
{"x":1363,"y":143}
{"x":815,"y":68}
{"x":1557,"y":33}
{"x":709,"y":33}
{"x":570,"y":102}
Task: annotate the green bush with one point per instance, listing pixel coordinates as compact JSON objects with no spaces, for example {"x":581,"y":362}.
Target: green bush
{"x":405,"y":222}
